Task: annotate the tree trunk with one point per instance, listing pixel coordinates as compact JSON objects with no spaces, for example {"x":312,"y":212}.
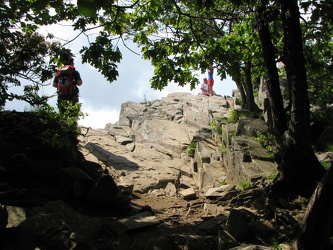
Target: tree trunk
{"x":242,"y":93}
{"x":250,"y":103}
{"x":246,"y":89}
{"x":237,"y":79}
{"x":296,"y":72}
{"x":272,"y":76}
{"x":299,"y":168}
{"x":317,"y":225}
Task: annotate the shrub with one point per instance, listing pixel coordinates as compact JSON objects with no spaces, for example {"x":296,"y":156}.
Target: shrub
{"x":267,"y":141}
{"x":231,"y":134}
{"x":223,"y":150}
{"x":233,"y":117}
{"x":272,"y":176}
{"x":214,"y":124}
{"x":61,"y":128}
{"x":239,"y":101}
{"x":223,"y":182}
{"x":191,"y":149}
{"x":245,"y":185}
{"x":46,"y":131}
{"x":326,"y":164}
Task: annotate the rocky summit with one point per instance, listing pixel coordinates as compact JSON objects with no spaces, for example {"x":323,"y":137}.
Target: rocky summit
{"x":170,"y":174}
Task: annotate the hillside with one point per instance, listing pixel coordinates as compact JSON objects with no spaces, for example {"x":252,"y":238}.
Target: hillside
{"x":171,"y":174}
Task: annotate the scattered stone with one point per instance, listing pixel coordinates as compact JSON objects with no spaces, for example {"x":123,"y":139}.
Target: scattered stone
{"x":214,"y":225}
{"x":238,"y":223}
{"x":105,"y":192}
{"x":164,"y":242}
{"x":212,"y":210}
{"x":171,"y":190}
{"x":11,"y":217}
{"x":262,"y":229}
{"x":141,"y":220}
{"x":188,"y":194}
{"x":248,"y":126}
{"x":225,"y":240}
{"x":250,"y":247}
{"x":123,"y":140}
{"x":220,"y":191}
{"x":194,"y":242}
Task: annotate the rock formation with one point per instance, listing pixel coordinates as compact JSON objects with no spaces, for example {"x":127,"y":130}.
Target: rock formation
{"x":170,"y":174}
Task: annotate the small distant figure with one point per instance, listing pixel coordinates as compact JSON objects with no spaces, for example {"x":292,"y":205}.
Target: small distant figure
{"x":204,"y":87}
{"x":210,"y":80}
{"x":66,"y":81}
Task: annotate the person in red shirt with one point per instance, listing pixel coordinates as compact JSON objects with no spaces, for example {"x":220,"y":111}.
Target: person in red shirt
{"x":210,"y":80}
{"x":73,"y":96}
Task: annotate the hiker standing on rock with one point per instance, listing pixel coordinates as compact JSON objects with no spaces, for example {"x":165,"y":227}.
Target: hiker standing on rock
{"x":66,"y":81}
{"x":210,"y":80}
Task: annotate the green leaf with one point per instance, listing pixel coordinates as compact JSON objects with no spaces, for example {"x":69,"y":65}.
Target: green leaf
{"x":87,"y":8}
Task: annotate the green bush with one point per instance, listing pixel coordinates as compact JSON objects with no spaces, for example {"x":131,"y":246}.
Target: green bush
{"x":191,"y":149}
{"x":272,"y":176}
{"x":231,"y":134}
{"x":215,"y":124}
{"x":267,"y":141}
{"x":223,"y":150}
{"x":245,"y":185}
{"x":61,"y":129}
{"x":223,"y":182}
{"x":326,"y":164}
{"x":44,"y":130}
{"x":239,"y":101}
{"x":233,"y":117}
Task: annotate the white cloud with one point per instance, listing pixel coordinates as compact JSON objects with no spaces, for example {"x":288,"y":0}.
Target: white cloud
{"x":99,"y":118}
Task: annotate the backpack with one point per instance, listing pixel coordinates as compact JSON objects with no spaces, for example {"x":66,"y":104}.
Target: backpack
{"x":66,"y":84}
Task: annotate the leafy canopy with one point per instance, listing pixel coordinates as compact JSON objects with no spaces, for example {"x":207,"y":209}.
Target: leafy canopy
{"x":179,"y":37}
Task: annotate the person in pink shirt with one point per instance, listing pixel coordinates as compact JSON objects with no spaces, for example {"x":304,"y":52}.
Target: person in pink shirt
{"x":204,"y":87}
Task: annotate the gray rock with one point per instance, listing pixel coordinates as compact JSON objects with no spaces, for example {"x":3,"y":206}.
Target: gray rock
{"x":11,"y":216}
{"x":238,"y":223}
{"x":250,"y":126}
{"x":194,"y":242}
{"x":220,"y":191}
{"x":212,"y":226}
{"x":164,"y":242}
{"x":225,"y":240}
{"x":188,"y":194}
{"x":249,"y":161}
{"x":212,"y":210}
{"x":105,"y":192}
{"x":250,"y":247}
{"x":141,"y":220}
{"x":123,"y":140}
{"x":56,"y":225}
{"x":171,"y":190}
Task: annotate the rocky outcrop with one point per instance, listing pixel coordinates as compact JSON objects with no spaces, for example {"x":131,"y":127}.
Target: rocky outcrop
{"x":146,"y":151}
{"x":247,"y":159}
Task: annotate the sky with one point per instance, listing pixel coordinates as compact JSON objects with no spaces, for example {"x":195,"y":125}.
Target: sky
{"x":101,"y":100}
